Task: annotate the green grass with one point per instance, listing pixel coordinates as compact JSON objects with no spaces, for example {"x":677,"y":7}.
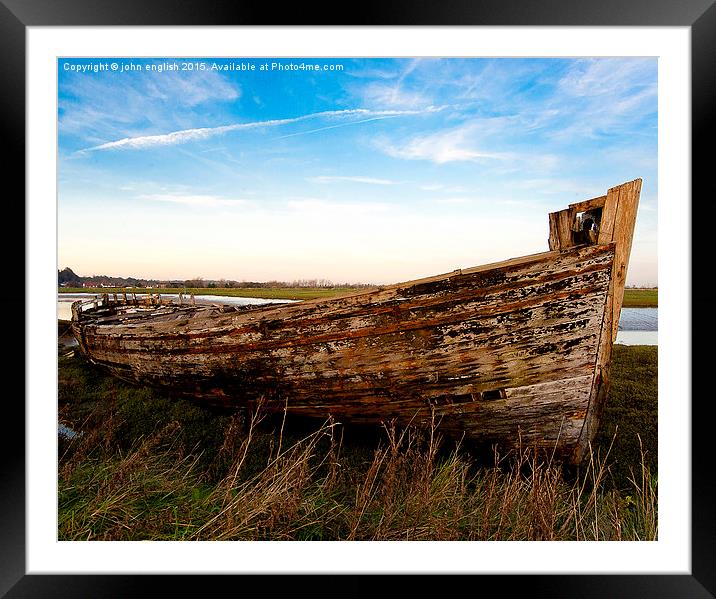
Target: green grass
{"x":633,"y":298}
{"x":150,"y":467}
{"x":630,"y":414}
{"x":641,"y":298}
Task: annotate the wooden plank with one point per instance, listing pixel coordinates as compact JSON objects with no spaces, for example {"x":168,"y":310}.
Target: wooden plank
{"x":586,"y":205}
{"x":617,"y":230}
{"x":623,"y":236}
{"x":554,"y":231}
{"x":562,"y":230}
{"x":618,"y":222}
{"x":609,"y":213}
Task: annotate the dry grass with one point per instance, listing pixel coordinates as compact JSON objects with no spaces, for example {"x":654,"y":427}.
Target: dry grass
{"x":262,"y":485}
{"x":146,"y":467}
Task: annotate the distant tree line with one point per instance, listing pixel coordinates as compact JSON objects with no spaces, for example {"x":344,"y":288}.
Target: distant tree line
{"x":67,"y":278}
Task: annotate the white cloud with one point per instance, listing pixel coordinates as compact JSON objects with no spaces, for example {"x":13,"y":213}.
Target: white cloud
{"x":454,"y":145}
{"x":606,"y":96}
{"x":191,"y":88}
{"x":100,"y":108}
{"x":397,"y":93}
{"x":604,"y":76}
{"x":383,"y":94}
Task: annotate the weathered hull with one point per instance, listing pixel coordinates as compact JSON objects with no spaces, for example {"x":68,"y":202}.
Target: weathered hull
{"x":512,"y":353}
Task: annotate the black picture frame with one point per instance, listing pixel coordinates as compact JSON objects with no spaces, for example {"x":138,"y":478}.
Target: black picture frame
{"x":17,"y":15}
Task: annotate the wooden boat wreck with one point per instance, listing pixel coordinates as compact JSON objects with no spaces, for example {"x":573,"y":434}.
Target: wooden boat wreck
{"x":515,"y":352}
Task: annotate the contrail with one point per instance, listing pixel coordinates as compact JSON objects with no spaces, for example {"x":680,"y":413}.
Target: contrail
{"x":377,"y":118}
{"x":187,"y":135}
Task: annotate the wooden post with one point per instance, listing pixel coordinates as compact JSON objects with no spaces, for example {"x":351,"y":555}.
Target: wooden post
{"x":617,"y":227}
{"x":560,"y":230}
{"x":618,"y":221}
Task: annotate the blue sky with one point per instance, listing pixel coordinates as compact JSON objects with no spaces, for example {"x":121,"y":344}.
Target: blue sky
{"x":370,"y":170}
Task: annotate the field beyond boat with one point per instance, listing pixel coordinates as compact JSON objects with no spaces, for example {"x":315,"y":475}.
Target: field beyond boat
{"x":633,"y":298}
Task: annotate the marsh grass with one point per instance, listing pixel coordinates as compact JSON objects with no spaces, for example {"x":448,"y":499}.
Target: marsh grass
{"x":145,"y":467}
{"x":630,"y":421}
{"x":641,"y":298}
{"x":633,"y":298}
